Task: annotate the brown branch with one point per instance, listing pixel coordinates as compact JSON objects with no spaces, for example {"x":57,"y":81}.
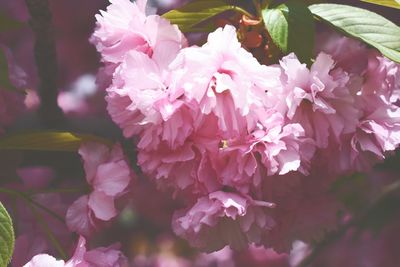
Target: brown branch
{"x":46,"y":62}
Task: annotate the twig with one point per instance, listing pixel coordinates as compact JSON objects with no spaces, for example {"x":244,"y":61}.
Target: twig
{"x":27,"y":198}
{"x":46,"y":62}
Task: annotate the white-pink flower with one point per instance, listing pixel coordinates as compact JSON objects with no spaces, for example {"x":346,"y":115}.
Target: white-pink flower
{"x":108,"y":174}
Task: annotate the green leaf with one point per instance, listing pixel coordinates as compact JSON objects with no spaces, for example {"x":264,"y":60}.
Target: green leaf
{"x":291,"y":27}
{"x":7,"y":23}
{"x":48,"y":141}
{"x":364,"y":25}
{"x":5,"y":82}
{"x":6,"y":237}
{"x":388,"y":3}
{"x":198,"y":11}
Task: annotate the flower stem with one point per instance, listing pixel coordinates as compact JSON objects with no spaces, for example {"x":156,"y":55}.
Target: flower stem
{"x":28,"y":199}
{"x":51,"y":237}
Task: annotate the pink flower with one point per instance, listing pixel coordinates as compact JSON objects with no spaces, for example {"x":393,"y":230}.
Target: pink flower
{"x":318,"y":98}
{"x":99,"y":257}
{"x":378,"y":130}
{"x":221,"y":219}
{"x":144,"y":46}
{"x":349,"y":54}
{"x":44,"y":260}
{"x":224,"y":79}
{"x":212,"y":117}
{"x":132,"y":101}
{"x":106,"y":257}
{"x":125,"y":27}
{"x":382,"y":78}
{"x":109,"y":175}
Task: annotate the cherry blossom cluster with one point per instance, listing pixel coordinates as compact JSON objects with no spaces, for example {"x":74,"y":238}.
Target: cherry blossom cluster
{"x":243,"y":153}
{"x":250,"y":149}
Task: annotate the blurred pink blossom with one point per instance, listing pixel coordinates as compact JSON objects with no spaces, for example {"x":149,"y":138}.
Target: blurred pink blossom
{"x":108,"y":174}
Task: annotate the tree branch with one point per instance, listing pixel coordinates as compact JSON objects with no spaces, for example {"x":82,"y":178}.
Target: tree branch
{"x":46,"y":62}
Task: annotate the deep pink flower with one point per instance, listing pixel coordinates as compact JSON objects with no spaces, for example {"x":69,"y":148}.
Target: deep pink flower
{"x":109,"y":175}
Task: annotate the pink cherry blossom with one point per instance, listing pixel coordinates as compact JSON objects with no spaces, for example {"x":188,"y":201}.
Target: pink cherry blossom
{"x":125,"y":27}
{"x":44,"y":260}
{"x":145,"y":46}
{"x":214,"y":116}
{"x":318,"y":98}
{"x":109,"y":175}
{"x":99,"y":257}
{"x":221,"y":219}
{"x":378,"y":131}
{"x":349,"y":54}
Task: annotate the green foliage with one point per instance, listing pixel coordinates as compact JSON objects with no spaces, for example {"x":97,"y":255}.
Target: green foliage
{"x":388,"y":3}
{"x":48,"y":141}
{"x":6,"y":237}
{"x":362,"y":24}
{"x":195,"y":12}
{"x":291,"y":27}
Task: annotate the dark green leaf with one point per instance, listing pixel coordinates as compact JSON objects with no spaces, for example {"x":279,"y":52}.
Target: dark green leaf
{"x":362,"y":24}
{"x":291,"y":27}
{"x":6,"y":237}
{"x":388,"y":3}
{"x":48,"y":141}
{"x":198,"y":11}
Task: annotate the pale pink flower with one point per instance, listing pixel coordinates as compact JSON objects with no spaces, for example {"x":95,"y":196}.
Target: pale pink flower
{"x":214,"y":116}
{"x":223,"y":79}
{"x":108,"y":173}
{"x":139,"y":83}
{"x":44,"y":260}
{"x":99,"y":257}
{"x":125,"y":27}
{"x":223,"y":218}
{"x":318,"y":98}
{"x":141,"y":80}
